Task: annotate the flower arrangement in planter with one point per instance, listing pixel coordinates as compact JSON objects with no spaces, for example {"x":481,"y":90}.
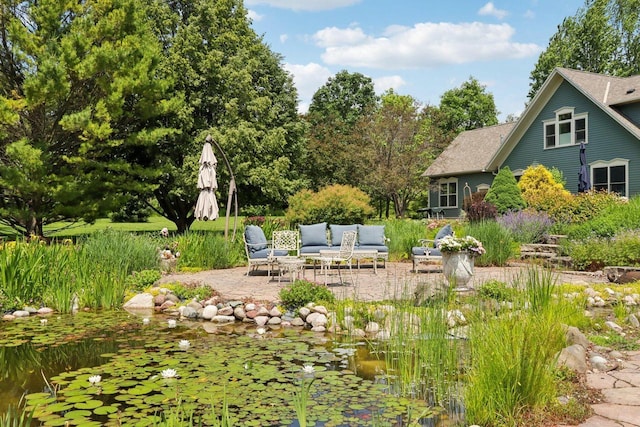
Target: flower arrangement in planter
{"x":450,"y":244}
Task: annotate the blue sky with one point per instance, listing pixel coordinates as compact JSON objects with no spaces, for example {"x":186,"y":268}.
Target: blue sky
{"x":420,"y":48}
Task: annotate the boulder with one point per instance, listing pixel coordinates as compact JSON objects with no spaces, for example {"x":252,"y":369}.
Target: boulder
{"x":140,"y":301}
{"x":574,"y":358}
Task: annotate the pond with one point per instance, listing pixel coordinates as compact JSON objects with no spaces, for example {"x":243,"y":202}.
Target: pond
{"x":150,"y":370}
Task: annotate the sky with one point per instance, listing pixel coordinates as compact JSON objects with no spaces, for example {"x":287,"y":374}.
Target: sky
{"x":420,"y":48}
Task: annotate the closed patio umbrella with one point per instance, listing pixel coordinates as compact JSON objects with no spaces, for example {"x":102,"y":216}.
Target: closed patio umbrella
{"x":584,"y":181}
{"x":207,"y":205}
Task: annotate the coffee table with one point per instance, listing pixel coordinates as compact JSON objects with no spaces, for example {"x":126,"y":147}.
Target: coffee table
{"x":291,"y":265}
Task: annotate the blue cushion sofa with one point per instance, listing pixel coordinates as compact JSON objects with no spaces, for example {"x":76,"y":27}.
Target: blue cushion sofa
{"x":317,"y":237}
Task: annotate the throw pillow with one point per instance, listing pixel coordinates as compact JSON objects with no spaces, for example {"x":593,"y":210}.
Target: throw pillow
{"x":314,"y":234}
{"x":255,"y":238}
{"x":370,"y":235}
{"x":337,"y":230}
{"x":443,"y":232}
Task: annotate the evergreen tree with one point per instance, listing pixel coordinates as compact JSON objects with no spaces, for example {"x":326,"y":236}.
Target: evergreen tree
{"x":504,"y":193}
{"x":80,"y":99}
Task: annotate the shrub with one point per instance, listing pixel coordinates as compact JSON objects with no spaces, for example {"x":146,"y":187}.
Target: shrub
{"x":302,"y":292}
{"x":140,"y":280}
{"x":134,"y":210}
{"x":478,"y":209}
{"x":596,"y":252}
{"x":504,"y":193}
{"x":527,"y":226}
{"x":540,"y":190}
{"x":497,"y":290}
{"x":612,"y":216}
{"x":337,"y":204}
{"x":497,"y":242}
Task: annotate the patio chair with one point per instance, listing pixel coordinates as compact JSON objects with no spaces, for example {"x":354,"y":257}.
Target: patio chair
{"x":343,"y":256}
{"x":428,"y":248}
{"x":258,"y":248}
{"x":285,"y":244}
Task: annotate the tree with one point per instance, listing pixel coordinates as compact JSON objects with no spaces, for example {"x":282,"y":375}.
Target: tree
{"x":468,"y":107}
{"x":399,"y":150}
{"x":81,"y":95}
{"x":333,"y":119}
{"x":236,"y":90}
{"x":602,"y":37}
{"x":504,"y":192}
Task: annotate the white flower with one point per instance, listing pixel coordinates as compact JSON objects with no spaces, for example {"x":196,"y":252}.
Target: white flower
{"x":261,"y":331}
{"x":184,"y":344}
{"x":43,"y":321}
{"x":95,"y":379}
{"x":145,"y":321}
{"x":171,"y":323}
{"x":308,"y":369}
{"x":169,"y":373}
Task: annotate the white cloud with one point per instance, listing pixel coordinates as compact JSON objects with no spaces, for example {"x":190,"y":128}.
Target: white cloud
{"x":382,"y":84}
{"x":307,"y":79}
{"x":283,"y":38}
{"x":529,"y":14}
{"x":332,"y":36}
{"x":490,"y":10}
{"x":308,"y":5}
{"x":423,"y":45}
{"x":254,"y":16}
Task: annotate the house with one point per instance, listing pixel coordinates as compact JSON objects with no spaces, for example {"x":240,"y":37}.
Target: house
{"x":572,"y":107}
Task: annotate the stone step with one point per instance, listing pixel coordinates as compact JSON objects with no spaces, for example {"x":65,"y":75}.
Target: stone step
{"x":532,"y":254}
{"x":539,"y":247}
{"x":614,"y":273}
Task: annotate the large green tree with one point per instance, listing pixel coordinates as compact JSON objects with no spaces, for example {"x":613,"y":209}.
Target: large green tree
{"x":399,"y":150}
{"x":334,"y":156}
{"x":235,"y":89}
{"x":468,"y":107}
{"x":602,"y":37}
{"x":81,"y":95}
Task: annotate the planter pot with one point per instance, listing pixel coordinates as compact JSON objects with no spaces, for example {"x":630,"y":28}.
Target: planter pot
{"x":457,"y":268}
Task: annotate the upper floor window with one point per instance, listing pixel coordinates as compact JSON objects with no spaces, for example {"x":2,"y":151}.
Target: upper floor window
{"x":567,"y":128}
{"x":448,"y":193}
{"x":611,"y":176}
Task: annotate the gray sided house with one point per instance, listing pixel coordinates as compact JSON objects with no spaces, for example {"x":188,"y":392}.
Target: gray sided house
{"x":571,"y":107}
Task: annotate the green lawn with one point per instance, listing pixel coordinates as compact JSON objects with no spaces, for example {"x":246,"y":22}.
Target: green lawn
{"x":155,"y":224}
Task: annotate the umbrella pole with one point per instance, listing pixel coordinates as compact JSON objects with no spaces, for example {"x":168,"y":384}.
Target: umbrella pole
{"x":232,"y":192}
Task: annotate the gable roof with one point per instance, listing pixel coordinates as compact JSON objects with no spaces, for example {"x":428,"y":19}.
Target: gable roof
{"x":470,"y":151}
{"x":606,"y":92}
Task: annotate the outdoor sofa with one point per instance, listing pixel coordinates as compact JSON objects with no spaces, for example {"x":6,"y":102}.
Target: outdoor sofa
{"x":371,"y":242}
{"x":428,"y":249}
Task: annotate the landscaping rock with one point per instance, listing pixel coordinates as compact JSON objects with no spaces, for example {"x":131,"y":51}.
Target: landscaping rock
{"x":159,"y":299}
{"x":140,"y":301}
{"x":274,"y":321}
{"x":8,"y":317}
{"x":45,"y":310}
{"x":304,"y":312}
{"x":274,"y":312}
{"x":320,"y":309}
{"x":633,"y":321}
{"x":209,"y":312}
{"x":297,"y":322}
{"x":613,"y":326}
{"x":21,"y":313}
{"x":574,"y":336}
{"x":574,"y":358}
{"x":223,"y":319}
{"x":372,"y":328}
{"x":316,"y":319}
{"x":261,"y":320}
{"x":225,"y":311}
{"x":188,"y":312}
{"x":239,"y":312}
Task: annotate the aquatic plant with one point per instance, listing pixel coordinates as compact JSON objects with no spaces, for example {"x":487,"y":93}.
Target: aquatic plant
{"x":302,"y":394}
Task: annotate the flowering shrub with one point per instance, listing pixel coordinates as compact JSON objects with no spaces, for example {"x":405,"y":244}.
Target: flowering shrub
{"x":527,"y":226}
{"x":459,"y":244}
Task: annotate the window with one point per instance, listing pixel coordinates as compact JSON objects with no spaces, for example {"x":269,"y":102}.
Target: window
{"x":483,"y":188}
{"x":610,"y":176}
{"x":449,"y":193}
{"x":567,"y":128}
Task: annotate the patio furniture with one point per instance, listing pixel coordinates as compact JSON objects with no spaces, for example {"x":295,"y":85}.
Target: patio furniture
{"x":291,"y":265}
{"x":258,"y":248}
{"x":328,"y":258}
{"x":284,"y":244}
{"x":428,"y":250}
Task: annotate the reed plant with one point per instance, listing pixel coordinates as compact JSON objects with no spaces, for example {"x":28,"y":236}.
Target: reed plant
{"x":61,"y":279}
{"x":17,"y":416}
{"x":512,"y":356}
{"x":420,"y":357}
{"x":403,"y":234}
{"x":120,"y":251}
{"x":497,"y":241}
{"x":103,"y":288}
{"x":209,"y":250}
{"x":23,"y":272}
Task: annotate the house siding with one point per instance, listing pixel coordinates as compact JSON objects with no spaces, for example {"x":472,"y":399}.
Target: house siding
{"x":631,"y":111}
{"x":606,"y":140}
{"x":472,"y":180}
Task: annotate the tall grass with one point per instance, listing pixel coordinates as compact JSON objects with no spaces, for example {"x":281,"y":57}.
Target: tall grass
{"x":403,"y":235}
{"x":209,"y":250}
{"x":420,"y":357}
{"x":120,"y":251}
{"x":496,"y":239}
{"x":512,"y":356}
